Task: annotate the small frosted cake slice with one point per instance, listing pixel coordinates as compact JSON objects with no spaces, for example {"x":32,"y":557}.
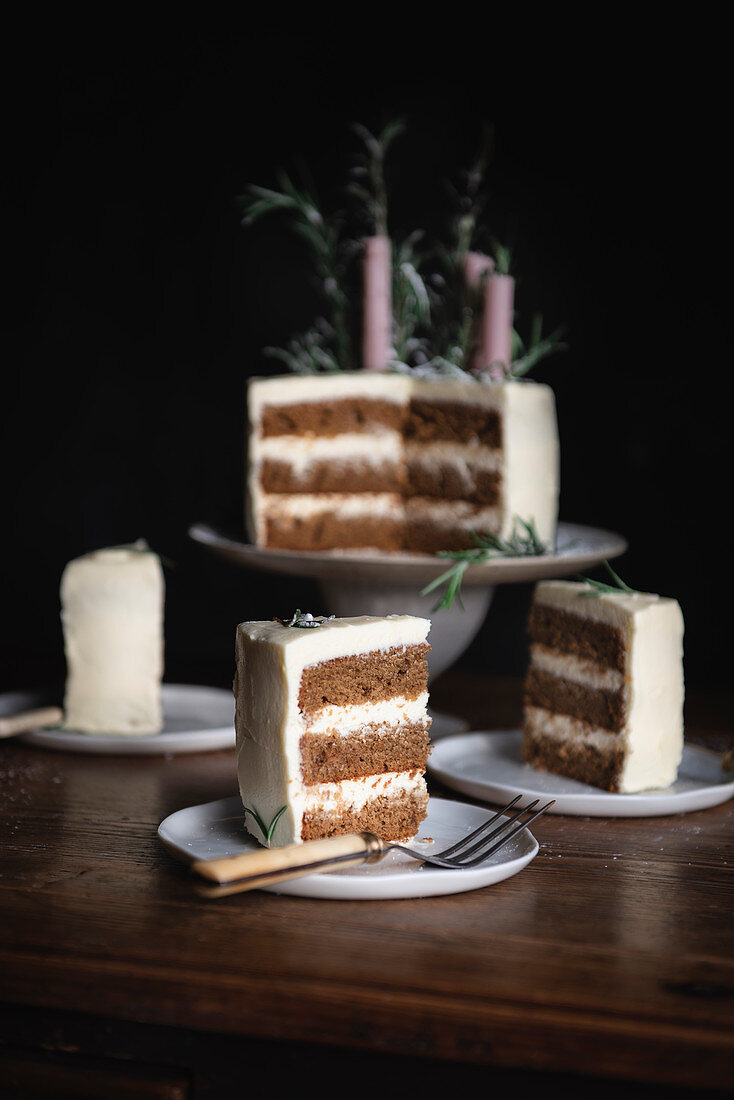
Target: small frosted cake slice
{"x":332,"y":726}
{"x":112,"y":617}
{"x":603,"y":698}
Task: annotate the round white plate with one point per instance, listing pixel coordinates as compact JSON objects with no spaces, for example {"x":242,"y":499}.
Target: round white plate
{"x":487,"y":765}
{"x":216,"y":829}
{"x":195,"y":719}
{"x":577,"y":549}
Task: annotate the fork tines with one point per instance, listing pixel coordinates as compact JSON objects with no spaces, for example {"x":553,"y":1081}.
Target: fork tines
{"x":478,"y":841}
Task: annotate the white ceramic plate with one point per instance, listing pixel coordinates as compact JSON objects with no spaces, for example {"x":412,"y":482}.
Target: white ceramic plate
{"x":195,"y":719}
{"x":487,"y":765}
{"x":578,"y":548}
{"x":216,"y":829}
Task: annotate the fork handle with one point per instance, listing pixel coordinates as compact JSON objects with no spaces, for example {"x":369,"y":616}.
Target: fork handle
{"x":41,"y":718}
{"x":251,"y":870}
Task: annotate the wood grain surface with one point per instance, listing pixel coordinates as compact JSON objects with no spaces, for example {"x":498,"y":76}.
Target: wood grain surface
{"x":611,"y":956}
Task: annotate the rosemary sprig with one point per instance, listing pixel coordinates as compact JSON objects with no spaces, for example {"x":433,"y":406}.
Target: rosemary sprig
{"x":368,"y":184}
{"x":310,"y":353}
{"x":598,"y":587}
{"x":524,"y":541}
{"x":267,"y":831}
{"x":527,"y":356}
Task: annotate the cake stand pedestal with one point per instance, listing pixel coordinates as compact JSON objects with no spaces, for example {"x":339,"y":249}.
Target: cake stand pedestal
{"x":374,"y":583}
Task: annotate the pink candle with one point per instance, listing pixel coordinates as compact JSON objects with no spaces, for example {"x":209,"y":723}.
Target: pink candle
{"x":476,"y":265}
{"x":497,"y":316}
{"x":377,"y":303}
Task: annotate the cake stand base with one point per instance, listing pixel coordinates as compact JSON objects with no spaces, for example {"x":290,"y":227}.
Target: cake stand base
{"x":452,"y":630}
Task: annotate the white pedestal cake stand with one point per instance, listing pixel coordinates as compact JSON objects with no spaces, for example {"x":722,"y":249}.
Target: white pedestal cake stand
{"x":359,"y":582}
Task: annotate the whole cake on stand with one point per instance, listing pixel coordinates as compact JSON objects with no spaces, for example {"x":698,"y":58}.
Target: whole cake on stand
{"x":364,"y":466}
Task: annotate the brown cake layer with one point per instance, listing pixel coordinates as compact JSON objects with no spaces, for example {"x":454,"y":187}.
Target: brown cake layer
{"x":370,"y":677}
{"x":331,"y":418}
{"x":584,"y":763}
{"x":436,"y":481}
{"x":444,"y":481}
{"x":422,"y":420}
{"x":329,"y":530}
{"x":392,"y":818}
{"x":373,"y":750}
{"x":453,"y":422}
{"x":605,"y":709}
{"x":578,"y":636}
{"x":333,"y":477}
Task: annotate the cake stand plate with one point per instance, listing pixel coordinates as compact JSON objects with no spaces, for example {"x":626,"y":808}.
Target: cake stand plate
{"x":487,"y":765}
{"x":365,"y":582}
{"x":577,"y":548}
{"x":195,"y":719}
{"x":216,"y":829}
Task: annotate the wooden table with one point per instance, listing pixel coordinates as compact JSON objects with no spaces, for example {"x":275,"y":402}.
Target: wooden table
{"x":608,"y":961}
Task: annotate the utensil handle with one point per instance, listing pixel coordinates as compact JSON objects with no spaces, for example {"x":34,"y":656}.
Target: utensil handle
{"x":234,"y":874}
{"x":30,"y":720}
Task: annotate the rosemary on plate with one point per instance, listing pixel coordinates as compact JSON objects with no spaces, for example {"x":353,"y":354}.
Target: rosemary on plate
{"x":266,"y":830}
{"x":523,"y":542}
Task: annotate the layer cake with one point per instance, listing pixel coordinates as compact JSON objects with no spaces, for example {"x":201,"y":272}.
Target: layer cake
{"x":112,"y":617}
{"x":389,"y":461}
{"x":603,"y":696}
{"x":332,"y":729}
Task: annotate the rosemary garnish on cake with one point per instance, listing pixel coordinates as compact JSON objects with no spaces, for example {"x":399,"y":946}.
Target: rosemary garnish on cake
{"x":266,"y":830}
{"x":431,"y":296}
{"x":305,"y":620}
{"x":599,"y":588}
{"x":523,"y":542}
{"x":326,"y":346}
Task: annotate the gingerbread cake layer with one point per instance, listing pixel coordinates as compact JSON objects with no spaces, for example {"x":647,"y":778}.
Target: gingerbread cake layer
{"x":331,"y":418}
{"x":420,"y":420}
{"x":371,"y":750}
{"x":393,"y":462}
{"x":341,"y":737}
{"x":603,"y":691}
{"x":348,"y":681}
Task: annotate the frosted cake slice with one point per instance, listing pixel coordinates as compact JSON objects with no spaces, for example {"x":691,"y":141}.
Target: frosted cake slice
{"x":112,"y":617}
{"x":604,"y":690}
{"x":332,"y":726}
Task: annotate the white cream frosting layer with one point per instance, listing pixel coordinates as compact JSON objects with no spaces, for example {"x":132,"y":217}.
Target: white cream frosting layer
{"x":398,"y":711}
{"x":112,"y":617}
{"x":449,"y":513}
{"x":559,"y":727}
{"x":586,"y":673}
{"x":355,"y":794}
{"x":302,"y":451}
{"x":268,"y":723}
{"x":652,"y":630}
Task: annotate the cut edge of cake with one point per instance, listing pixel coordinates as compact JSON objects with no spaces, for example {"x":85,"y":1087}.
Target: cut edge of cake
{"x":391,"y":462}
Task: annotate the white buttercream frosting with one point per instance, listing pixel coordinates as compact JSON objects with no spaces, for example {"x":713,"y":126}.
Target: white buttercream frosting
{"x":112,"y":617}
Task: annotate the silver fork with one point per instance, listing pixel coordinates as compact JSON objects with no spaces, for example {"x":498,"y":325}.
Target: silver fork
{"x":235,"y":874}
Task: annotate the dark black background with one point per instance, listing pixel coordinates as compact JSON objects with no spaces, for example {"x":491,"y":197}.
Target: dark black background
{"x":138,"y":305}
